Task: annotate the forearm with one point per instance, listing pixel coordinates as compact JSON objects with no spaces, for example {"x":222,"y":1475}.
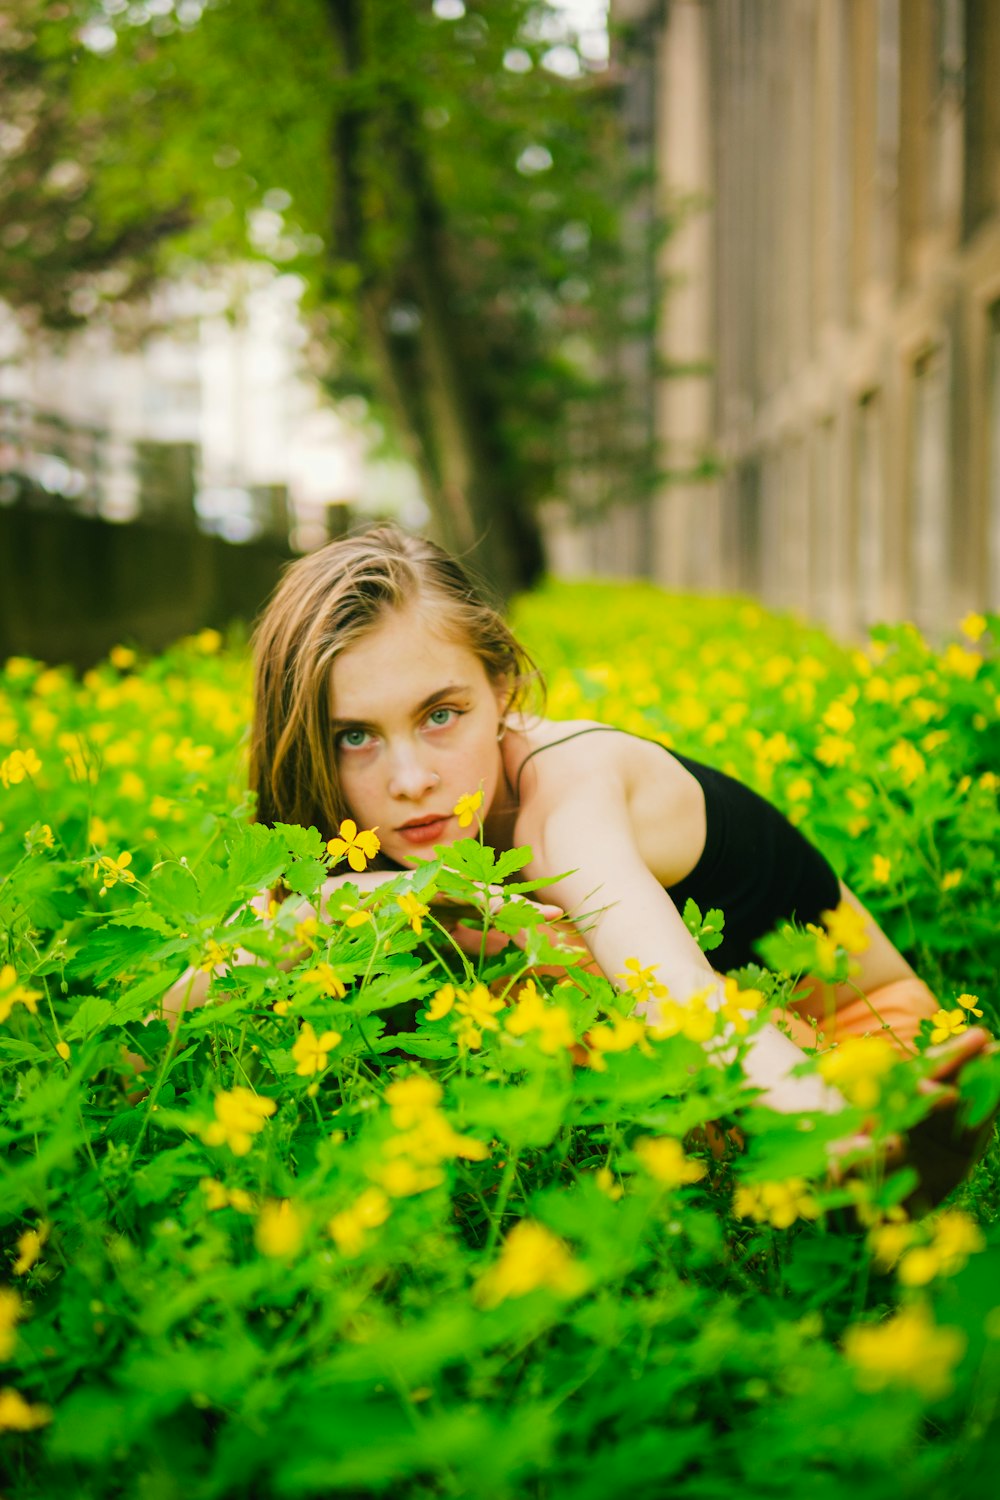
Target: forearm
{"x":642,"y":929}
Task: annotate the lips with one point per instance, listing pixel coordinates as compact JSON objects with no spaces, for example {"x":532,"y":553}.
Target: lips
{"x":424,"y":830}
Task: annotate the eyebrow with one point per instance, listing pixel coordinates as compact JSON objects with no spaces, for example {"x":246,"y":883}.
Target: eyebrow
{"x":450,"y":689}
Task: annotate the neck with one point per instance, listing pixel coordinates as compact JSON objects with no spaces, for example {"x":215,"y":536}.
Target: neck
{"x":501,"y":816}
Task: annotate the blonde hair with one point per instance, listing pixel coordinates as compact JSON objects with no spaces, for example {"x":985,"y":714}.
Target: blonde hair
{"x":326,"y":602}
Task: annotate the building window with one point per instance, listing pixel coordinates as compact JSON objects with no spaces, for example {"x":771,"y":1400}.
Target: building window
{"x":929,"y":489}
{"x":869,"y":509}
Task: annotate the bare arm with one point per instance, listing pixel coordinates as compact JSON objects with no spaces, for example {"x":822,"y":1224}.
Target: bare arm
{"x":191,"y":989}
{"x":637,"y":919}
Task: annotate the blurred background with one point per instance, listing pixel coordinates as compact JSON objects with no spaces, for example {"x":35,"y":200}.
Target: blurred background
{"x":701,"y":291}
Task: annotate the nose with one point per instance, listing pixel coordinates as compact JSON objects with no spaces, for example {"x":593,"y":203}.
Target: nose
{"x":410,"y":776}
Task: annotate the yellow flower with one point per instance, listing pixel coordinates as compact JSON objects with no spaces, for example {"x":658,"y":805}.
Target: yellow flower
{"x":467,"y":806}
{"x":532,"y":1258}
{"x":44,"y":838}
{"x":215,"y":954}
{"x":907,"y":760}
{"x":121,"y":657}
{"x":969,"y":1003}
{"x":961,"y":662}
{"x":948,"y":1023}
{"x":839,"y":718}
{"x":881,"y":868}
{"x":97,"y":833}
{"x":132,"y":787}
{"x":63,"y":1050}
{"x":216,"y":1196}
{"x":239,"y":1115}
{"x":825,"y":962}
{"x":799,"y":790}
{"x":476,"y":1011}
{"x":324,"y":976}
{"x":208,"y":642}
{"x":973,"y":626}
{"x":413,"y":910}
{"x":665,"y":1161}
{"x":956,"y":1237}
{"x":621,"y":1035}
{"x":442,"y":1003}
{"x":359,"y":847}
{"x":401,"y":1179}
{"x":605,"y":1180}
{"x":348,"y":1229}
{"x":304,"y":932}
{"x":776,"y":1203}
{"x":534,"y":1013}
{"x":110,"y":870}
{"x":736,"y":1005}
{"x":908,"y":1350}
{"x":16,"y":1415}
{"x":857,"y":1066}
{"x":951,"y":879}
{"x":696,"y":1020}
{"x":433,"y":1140}
{"x":312,"y":1053}
{"x":642,"y":982}
{"x":18,"y":765}
{"x":889,"y":1242}
{"x":833,"y":750}
{"x":280,"y":1229}
{"x":29,"y":1248}
{"x":12,"y":993}
{"x":412,"y":1099}
{"x":11,"y":1311}
{"x":846,"y":926}
{"x":918,"y":1266}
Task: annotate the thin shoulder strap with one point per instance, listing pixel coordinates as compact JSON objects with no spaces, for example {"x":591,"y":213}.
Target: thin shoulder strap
{"x":592,"y":729}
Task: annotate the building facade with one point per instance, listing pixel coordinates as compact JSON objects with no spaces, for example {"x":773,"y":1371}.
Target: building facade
{"x":827,"y":389}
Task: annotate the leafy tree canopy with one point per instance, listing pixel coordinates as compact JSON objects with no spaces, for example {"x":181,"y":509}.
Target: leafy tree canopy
{"x":449,"y":198}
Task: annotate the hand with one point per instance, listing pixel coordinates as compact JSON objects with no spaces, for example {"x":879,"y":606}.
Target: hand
{"x":942,"y":1150}
{"x":457,"y":918}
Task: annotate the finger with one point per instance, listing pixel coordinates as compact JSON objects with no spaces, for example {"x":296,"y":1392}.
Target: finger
{"x":951,"y":1056}
{"x":943,"y":1095}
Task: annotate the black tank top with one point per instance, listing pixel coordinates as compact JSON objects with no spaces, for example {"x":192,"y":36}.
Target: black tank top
{"x":755,"y":866}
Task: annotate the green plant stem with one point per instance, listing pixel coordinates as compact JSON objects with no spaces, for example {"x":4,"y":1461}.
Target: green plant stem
{"x":168,"y":1057}
{"x":506,"y":1183}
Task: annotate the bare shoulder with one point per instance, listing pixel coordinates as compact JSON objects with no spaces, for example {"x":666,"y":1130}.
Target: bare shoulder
{"x":549,"y":762}
{"x":570,"y":768}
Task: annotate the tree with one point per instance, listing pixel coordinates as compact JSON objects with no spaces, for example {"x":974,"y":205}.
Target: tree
{"x":450,"y":202}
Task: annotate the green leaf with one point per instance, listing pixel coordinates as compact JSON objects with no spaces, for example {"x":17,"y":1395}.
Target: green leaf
{"x":530,"y":1115}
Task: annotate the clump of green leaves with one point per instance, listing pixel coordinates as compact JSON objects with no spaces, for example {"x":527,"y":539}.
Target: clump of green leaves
{"x":386,"y":1218}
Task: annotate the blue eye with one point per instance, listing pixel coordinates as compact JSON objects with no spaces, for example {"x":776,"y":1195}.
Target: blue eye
{"x":352,"y":739}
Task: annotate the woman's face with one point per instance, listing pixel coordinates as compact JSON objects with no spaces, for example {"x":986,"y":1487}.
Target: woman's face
{"x":415,"y":721}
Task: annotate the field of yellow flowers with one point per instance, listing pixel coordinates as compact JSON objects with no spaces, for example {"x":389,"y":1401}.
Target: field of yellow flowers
{"x":392,"y":1222}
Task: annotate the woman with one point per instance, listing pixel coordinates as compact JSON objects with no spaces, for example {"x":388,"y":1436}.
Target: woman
{"x":387,"y":689}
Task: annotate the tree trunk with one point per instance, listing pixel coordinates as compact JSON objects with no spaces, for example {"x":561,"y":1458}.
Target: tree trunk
{"x":429,"y":376}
